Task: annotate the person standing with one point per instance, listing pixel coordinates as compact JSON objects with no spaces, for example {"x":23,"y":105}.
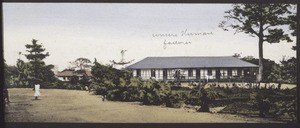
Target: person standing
{"x":37,"y":91}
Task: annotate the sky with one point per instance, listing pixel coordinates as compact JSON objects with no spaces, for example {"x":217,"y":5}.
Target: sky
{"x":101,"y":30}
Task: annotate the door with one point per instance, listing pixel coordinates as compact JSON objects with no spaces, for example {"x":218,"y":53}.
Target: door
{"x":165,"y":74}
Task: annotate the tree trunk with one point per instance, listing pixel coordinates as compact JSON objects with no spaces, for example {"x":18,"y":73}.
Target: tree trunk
{"x":260,"y":70}
{"x":260,"y":45}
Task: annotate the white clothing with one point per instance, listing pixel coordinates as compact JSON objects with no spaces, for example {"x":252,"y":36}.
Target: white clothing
{"x":37,"y":90}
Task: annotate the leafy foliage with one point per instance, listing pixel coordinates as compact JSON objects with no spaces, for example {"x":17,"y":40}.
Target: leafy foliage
{"x":258,"y":102}
{"x":81,"y":64}
{"x":22,"y":76}
{"x":287,"y":109}
{"x":154,"y":92}
{"x":35,"y":52}
{"x":203,"y":97}
{"x":174,"y":100}
{"x":262,"y":104}
{"x":264,"y":21}
{"x":268,"y":66}
{"x":25,"y":74}
{"x":74,"y":79}
{"x":261,"y":20}
{"x":285,"y":72}
{"x":38,"y":71}
{"x":7,"y":75}
{"x":104,"y":73}
{"x":289,"y":70}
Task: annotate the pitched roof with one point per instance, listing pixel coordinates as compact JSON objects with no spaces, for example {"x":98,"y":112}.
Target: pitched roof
{"x":190,"y":62}
{"x":68,"y":73}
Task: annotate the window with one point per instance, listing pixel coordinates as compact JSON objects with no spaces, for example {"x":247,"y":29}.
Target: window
{"x":138,"y":72}
{"x":223,"y":73}
{"x":209,"y":72}
{"x":190,"y":73}
{"x":153,"y":73}
{"x":242,"y":72}
{"x":234,"y":72}
{"x":145,"y":74}
{"x":203,"y":73}
{"x":159,"y":74}
{"x":134,"y":73}
{"x":170,"y":74}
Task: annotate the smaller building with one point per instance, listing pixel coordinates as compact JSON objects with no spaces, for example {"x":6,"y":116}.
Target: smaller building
{"x":66,"y":75}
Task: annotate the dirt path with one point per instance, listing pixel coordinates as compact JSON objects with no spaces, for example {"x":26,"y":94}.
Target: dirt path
{"x":57,"y":105}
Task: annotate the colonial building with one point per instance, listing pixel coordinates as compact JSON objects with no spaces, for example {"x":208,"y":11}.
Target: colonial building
{"x":66,"y":75}
{"x":194,"y":69}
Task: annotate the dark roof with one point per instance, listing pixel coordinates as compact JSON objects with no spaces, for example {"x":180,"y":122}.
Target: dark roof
{"x":67,"y":73}
{"x":190,"y":62}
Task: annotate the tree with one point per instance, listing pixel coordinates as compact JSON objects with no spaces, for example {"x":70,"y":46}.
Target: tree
{"x":40,"y":72}
{"x":292,"y":21}
{"x":81,"y":64}
{"x":74,"y":79}
{"x":6,"y":74}
{"x":289,"y":70}
{"x":261,"y":20}
{"x":48,"y":74}
{"x":275,"y":75}
{"x":23,"y":73}
{"x":237,"y":55}
{"x":268,"y":66}
{"x":10,"y":72}
{"x":101,"y":73}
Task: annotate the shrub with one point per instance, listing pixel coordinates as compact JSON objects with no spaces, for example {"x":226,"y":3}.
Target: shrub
{"x":174,"y":100}
{"x":113,"y":94}
{"x":101,"y":91}
{"x":204,"y":101}
{"x":154,"y":92}
{"x":261,"y":102}
{"x":132,"y":94}
{"x":287,"y":108}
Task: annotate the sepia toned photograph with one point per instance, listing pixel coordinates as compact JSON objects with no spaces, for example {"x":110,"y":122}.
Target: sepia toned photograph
{"x":150,"y":63}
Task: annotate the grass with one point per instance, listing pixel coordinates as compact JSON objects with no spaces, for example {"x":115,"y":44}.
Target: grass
{"x":60,"y":105}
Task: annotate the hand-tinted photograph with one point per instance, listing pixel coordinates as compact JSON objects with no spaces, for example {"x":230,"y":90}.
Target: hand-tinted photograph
{"x":150,"y":63}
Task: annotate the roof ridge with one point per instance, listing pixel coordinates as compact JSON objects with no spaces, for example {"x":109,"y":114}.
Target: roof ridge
{"x":190,"y":61}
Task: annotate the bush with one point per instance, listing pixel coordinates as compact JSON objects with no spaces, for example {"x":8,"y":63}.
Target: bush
{"x":287,"y":109}
{"x":174,"y":100}
{"x":126,"y":91}
{"x":101,"y":91}
{"x":204,"y":101}
{"x":49,"y":85}
{"x":202,"y":97}
{"x":114,"y":95}
{"x":61,"y":85}
{"x":180,"y":88}
{"x":154,"y":92}
{"x":263,"y":107}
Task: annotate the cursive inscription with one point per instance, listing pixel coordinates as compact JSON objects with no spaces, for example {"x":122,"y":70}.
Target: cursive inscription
{"x":164,"y":35}
{"x":175,"y":43}
{"x":183,"y":33}
{"x":186,"y":33}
